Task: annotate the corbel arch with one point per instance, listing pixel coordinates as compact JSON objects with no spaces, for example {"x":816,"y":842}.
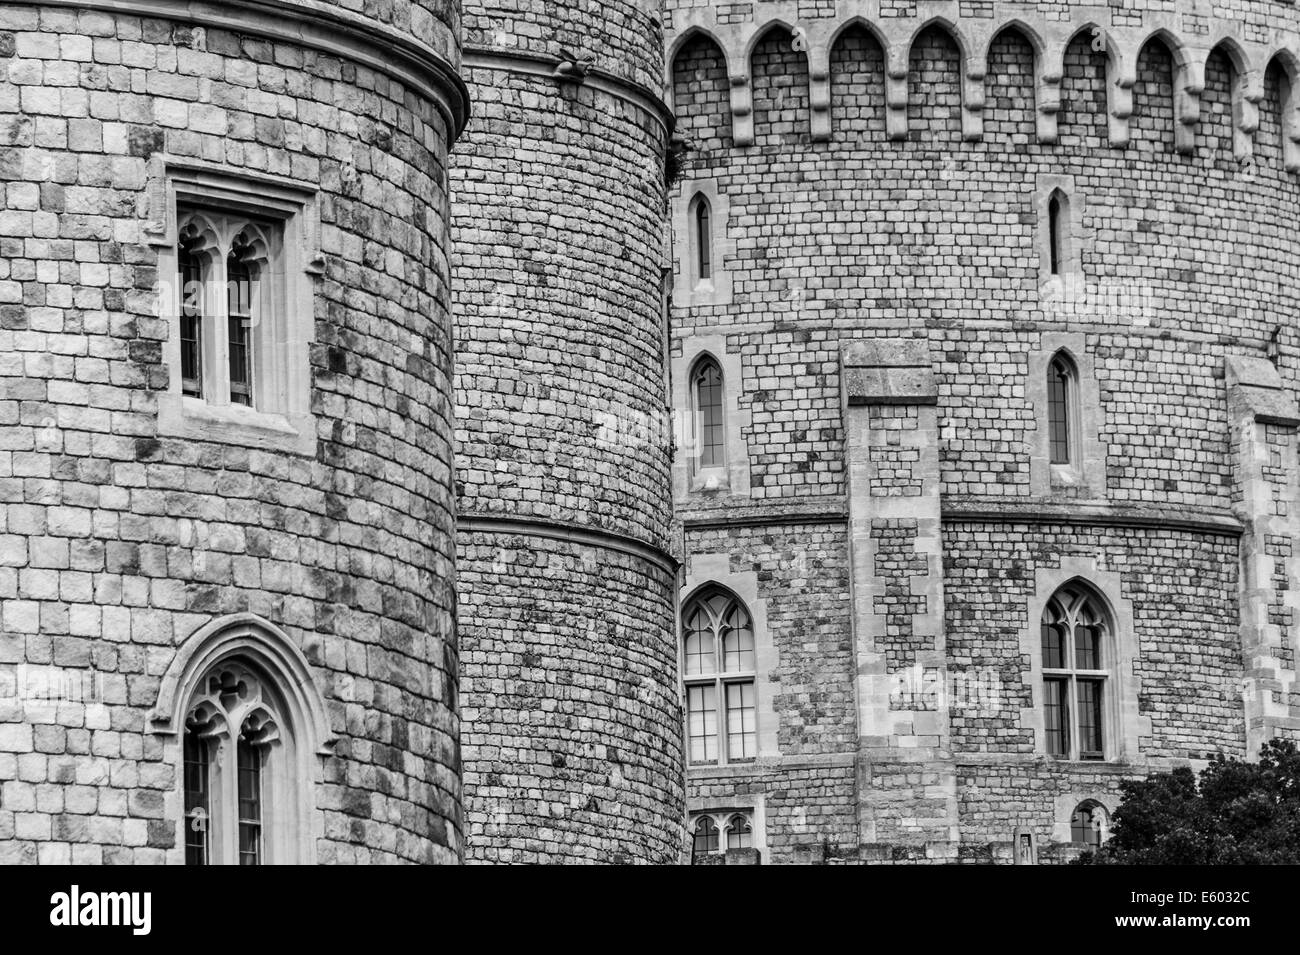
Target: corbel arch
{"x":970,"y":80}
{"x":1121,"y":75}
{"x":1246,"y":92}
{"x":1047,"y":95}
{"x":1288,"y":62}
{"x":800,"y":45}
{"x":1188,"y":82}
{"x":680,"y":43}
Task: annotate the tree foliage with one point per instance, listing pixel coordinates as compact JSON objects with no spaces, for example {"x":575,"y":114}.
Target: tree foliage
{"x":1240,"y":813}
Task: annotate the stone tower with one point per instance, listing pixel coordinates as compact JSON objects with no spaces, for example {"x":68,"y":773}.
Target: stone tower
{"x":985,"y":316}
{"x":566,"y":588}
{"x":226,"y":500}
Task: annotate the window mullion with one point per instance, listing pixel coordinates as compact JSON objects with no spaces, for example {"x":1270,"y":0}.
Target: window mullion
{"x":218,"y":332}
{"x":721,"y":697}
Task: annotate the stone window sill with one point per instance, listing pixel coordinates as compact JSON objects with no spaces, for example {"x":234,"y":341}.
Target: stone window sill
{"x":185,"y":417}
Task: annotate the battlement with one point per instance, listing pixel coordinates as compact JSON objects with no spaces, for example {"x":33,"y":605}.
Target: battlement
{"x":1251,"y":44}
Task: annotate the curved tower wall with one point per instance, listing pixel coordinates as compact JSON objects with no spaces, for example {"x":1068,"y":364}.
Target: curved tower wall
{"x":122,"y":537}
{"x":885,"y":171}
{"x":569,"y":663}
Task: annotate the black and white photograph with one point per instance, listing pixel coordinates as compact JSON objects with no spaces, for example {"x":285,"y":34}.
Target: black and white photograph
{"x":835,"y":433}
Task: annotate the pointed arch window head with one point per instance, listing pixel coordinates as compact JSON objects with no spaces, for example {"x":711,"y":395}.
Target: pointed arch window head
{"x":1089,"y":824}
{"x":701,"y":240}
{"x":717,"y":831}
{"x":1063,"y":415}
{"x":1057,"y":246}
{"x":705,"y":837}
{"x":228,"y":292}
{"x":1077,"y":655}
{"x":740,"y":834}
{"x":233,"y":752}
{"x":719,"y":667}
{"x":707,"y":418}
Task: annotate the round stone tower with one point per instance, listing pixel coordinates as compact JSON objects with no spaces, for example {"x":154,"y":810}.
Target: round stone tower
{"x":572,"y":715}
{"x":1002,"y":305}
{"x":226,"y":559}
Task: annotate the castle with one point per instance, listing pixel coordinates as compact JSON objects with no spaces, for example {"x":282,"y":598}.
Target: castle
{"x":639,"y":430}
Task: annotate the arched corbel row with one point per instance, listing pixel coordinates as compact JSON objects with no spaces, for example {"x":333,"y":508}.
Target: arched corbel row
{"x":1122,"y":47}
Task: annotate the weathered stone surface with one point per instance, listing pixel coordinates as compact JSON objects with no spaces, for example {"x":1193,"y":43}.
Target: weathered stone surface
{"x":883,"y":186}
{"x":117,"y":543}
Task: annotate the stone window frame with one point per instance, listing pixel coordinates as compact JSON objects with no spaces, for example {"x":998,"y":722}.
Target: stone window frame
{"x":1024,"y":846}
{"x":1074,"y":676}
{"x":1125,"y":725}
{"x":721,"y":679}
{"x":689,"y":290}
{"x":293,"y":766}
{"x":1084,"y":476}
{"x":1063,"y":807}
{"x":721,"y":810}
{"x":281,"y":419}
{"x":714,"y":570}
{"x":732,"y":479}
{"x":1068,"y":281}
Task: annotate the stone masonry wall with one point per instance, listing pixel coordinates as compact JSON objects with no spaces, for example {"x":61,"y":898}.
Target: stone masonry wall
{"x":563,"y":463}
{"x":844,"y":230}
{"x":117,"y":543}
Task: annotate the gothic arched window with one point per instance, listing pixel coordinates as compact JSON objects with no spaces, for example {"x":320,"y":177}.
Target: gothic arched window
{"x":1059,"y":249}
{"x":1077,"y":664}
{"x":1063,"y":410}
{"x":1089,"y":823}
{"x":740,"y":835}
{"x":231,"y":252}
{"x":708,"y":421}
{"x":719,"y":675}
{"x":703,"y":239}
{"x":705,"y":839}
{"x":237,"y":768}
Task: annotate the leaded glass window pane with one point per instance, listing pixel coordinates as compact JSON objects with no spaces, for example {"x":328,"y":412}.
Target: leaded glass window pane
{"x":702,"y":717}
{"x":197,"y":761}
{"x":737,"y":641}
{"x":709,"y":415}
{"x":191,"y":330}
{"x":1090,"y":719}
{"x":1060,"y":384}
{"x":699,"y":643}
{"x":239,"y":309}
{"x":1056,"y":716}
{"x":742,"y":741}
